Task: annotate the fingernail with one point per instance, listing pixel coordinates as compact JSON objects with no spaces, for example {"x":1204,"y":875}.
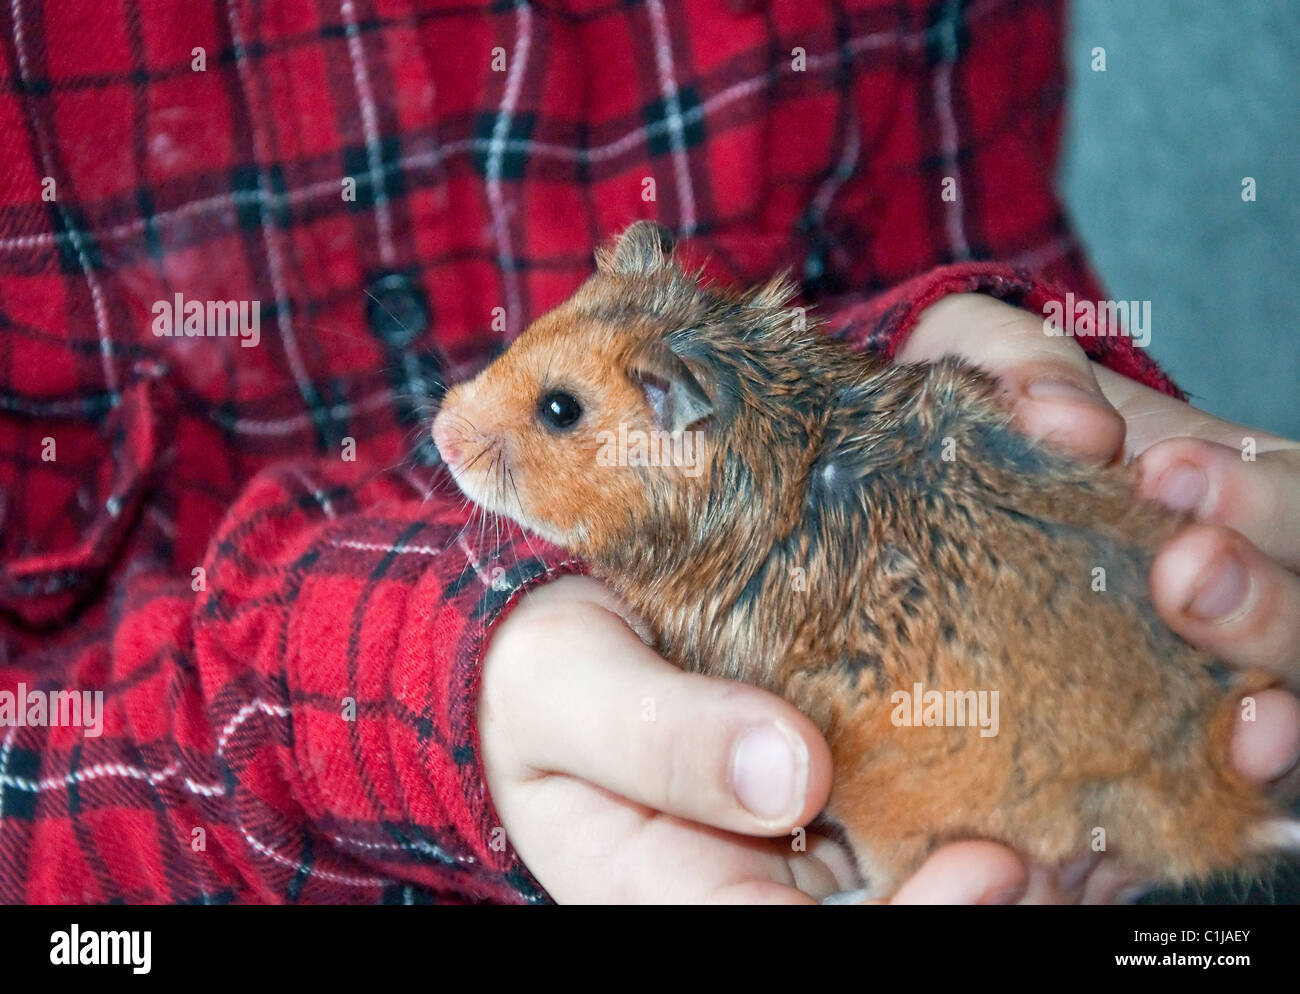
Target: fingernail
{"x":1005,"y":895}
{"x":1223,"y":593}
{"x":1266,"y":742}
{"x":1060,"y":390}
{"x":1182,"y":487}
{"x":769,"y":772}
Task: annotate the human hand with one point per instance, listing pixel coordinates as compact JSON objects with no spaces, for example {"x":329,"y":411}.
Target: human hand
{"x":620,"y":778}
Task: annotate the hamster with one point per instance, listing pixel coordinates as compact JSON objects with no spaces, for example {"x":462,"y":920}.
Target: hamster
{"x":963,"y":612}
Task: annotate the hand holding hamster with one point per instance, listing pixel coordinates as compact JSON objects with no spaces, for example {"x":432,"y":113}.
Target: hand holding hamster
{"x":826,"y":549}
{"x":604,"y":806}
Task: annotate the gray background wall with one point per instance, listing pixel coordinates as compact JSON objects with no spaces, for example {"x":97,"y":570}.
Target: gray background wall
{"x":1196,"y":95}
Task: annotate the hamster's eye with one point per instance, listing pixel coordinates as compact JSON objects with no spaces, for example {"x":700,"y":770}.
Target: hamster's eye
{"x":559,"y":410}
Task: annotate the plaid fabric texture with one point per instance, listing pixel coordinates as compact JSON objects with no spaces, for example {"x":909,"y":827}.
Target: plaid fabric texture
{"x":234,"y":544}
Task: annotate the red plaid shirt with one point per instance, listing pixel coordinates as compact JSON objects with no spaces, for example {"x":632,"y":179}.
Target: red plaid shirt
{"x":287,"y":639}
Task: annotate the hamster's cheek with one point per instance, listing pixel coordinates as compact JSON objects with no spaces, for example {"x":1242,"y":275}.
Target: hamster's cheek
{"x":540,"y":481}
{"x":566,"y":495}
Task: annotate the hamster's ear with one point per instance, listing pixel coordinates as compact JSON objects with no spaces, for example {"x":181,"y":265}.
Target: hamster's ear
{"x":644,"y":247}
{"x":671,"y":389}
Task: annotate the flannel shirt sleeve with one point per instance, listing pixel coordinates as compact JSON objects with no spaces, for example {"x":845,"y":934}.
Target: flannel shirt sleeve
{"x":299,"y":729}
{"x":881,"y":323}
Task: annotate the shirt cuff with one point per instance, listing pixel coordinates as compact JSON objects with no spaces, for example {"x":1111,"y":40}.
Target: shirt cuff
{"x":881,"y":323}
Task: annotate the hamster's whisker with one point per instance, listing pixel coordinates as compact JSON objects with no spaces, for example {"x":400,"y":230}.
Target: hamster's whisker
{"x":482,"y":528}
{"x":441,"y":483}
{"x":522,"y":530}
{"x":492,"y":474}
{"x":463,"y":528}
{"x":498,"y":477}
{"x":501,"y":487}
{"x":482,"y":452}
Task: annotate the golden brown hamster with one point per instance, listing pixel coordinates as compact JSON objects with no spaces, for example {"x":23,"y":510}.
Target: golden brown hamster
{"x":963,"y":612}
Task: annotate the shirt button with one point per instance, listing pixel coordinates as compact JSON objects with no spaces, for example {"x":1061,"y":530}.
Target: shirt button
{"x":396,"y":309}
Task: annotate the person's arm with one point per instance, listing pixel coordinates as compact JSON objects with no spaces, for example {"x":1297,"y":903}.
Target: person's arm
{"x":301,"y":728}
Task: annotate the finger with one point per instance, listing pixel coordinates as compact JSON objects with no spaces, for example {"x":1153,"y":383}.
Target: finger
{"x":575,"y":692}
{"x":1048,"y":380}
{"x":825,"y":869}
{"x":1111,"y":883}
{"x":1072,"y":878}
{"x":1260,"y":498}
{"x":1043,"y":888}
{"x":588,"y":846}
{"x":1223,"y":595}
{"x":966,"y":873}
{"x":1152,"y":416}
{"x":1065,"y":884}
{"x":1266,"y":742}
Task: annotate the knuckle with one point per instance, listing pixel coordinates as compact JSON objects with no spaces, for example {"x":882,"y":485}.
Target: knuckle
{"x":555,"y":623}
{"x":677,"y":785}
{"x":668,"y":762}
{"x":1210,"y":540}
{"x":1181,"y":448}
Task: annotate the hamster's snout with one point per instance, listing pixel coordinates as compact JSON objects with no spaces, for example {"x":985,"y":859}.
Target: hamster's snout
{"x":475,"y":448}
{"x":469,"y":448}
{"x":448,"y":438}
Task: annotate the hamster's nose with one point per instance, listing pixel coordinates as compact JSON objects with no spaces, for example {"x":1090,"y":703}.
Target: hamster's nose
{"x":446,"y":437}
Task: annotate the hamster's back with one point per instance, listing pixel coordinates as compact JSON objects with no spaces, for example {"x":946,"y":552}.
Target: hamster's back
{"x":1004,"y":673}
